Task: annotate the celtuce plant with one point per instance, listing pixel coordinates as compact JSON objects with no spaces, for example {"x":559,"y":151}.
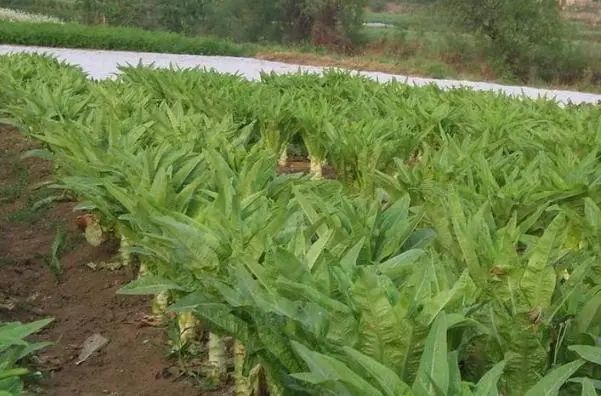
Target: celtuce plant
{"x":457,"y":253}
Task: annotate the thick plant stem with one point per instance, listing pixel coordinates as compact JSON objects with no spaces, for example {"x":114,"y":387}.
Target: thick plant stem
{"x":124,"y":251}
{"x":283,"y":157}
{"x":188,"y":327}
{"x":216,"y":361}
{"x":143,"y":270}
{"x":316,"y":168}
{"x":159,"y":305}
{"x":272,"y":388}
{"x":241,"y":382}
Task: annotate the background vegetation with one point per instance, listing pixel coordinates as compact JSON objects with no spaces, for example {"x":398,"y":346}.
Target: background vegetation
{"x":519,"y":41}
{"x":115,"y":38}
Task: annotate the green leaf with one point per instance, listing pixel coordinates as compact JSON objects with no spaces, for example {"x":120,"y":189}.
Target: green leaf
{"x":188,"y":303}
{"x":587,"y":352}
{"x":310,"y":212}
{"x":381,"y":323}
{"x":32,"y":347}
{"x":317,"y":247}
{"x":592,"y":214}
{"x":436,"y":304}
{"x":433,"y":371}
{"x":46,"y":201}
{"x":538,"y":281}
{"x":579,"y":380}
{"x":588,"y":387}
{"x":397,"y":266}
{"x":219,"y":317}
{"x":466,"y":243}
{"x":589,"y":313}
{"x":11,"y":386}
{"x":349,"y":260}
{"x":325,"y":369}
{"x":38,"y":153}
{"x":550,"y":383}
{"x":15,"y":372}
{"x":57,"y":244}
{"x":13,"y":333}
{"x":455,"y":383}
{"x":419,"y":239}
{"x":149,"y":285}
{"x":487,"y":386}
{"x":388,"y":381}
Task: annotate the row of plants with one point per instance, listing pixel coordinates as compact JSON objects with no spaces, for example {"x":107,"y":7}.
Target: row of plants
{"x":74,"y":35}
{"x":456,"y":252}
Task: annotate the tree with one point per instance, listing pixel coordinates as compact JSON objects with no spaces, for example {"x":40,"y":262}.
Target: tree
{"x":522,"y":33}
{"x":333,"y":23}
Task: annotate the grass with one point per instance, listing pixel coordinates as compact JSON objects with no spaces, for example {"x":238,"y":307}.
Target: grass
{"x":14,"y":188}
{"x":73,"y":35}
{"x":30,"y":212}
{"x":18,"y":202}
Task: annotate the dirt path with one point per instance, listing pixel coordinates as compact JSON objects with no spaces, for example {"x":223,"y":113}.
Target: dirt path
{"x":82,"y":301}
{"x":104,"y":64}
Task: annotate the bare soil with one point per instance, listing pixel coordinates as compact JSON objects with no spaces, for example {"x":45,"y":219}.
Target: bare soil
{"x":302,"y":165}
{"x":81,"y":301}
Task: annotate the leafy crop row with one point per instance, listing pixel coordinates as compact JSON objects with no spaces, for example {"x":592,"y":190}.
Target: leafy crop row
{"x":456,"y":252}
{"x":74,"y":35}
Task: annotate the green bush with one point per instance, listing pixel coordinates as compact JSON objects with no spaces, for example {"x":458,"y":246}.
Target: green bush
{"x":525,"y":36}
{"x":74,"y":35}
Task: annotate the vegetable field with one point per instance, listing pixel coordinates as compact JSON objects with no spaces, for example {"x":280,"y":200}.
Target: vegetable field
{"x":440,"y":242}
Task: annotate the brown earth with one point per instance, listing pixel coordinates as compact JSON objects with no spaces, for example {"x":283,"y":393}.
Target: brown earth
{"x":81,"y":301}
{"x":302,"y":165}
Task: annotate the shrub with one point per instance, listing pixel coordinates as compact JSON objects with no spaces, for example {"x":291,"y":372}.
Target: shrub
{"x":525,"y":35}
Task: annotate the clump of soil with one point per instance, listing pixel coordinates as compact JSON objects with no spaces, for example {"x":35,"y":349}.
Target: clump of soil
{"x":82,"y":301}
